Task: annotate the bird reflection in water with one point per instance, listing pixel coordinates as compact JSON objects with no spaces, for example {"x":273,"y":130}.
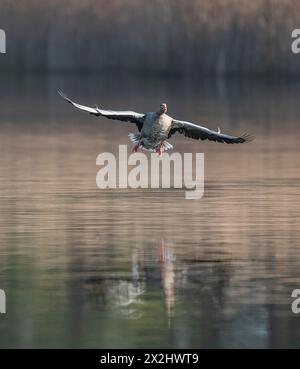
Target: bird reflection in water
{"x":126,"y":295}
{"x":157,"y":274}
{"x":167,"y":261}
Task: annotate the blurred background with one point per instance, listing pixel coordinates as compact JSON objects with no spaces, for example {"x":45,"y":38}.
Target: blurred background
{"x":83,"y":267}
{"x":166,"y":37}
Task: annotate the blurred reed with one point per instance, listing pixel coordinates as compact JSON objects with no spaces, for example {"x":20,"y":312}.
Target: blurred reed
{"x":172,"y":37}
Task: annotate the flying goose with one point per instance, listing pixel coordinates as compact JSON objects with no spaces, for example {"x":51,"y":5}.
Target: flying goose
{"x":155,"y":127}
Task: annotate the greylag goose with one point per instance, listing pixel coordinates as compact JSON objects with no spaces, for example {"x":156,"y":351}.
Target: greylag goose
{"x":156,"y":127}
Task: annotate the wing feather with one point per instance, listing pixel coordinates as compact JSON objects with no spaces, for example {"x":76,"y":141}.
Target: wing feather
{"x":125,"y":116}
{"x":202,"y":133}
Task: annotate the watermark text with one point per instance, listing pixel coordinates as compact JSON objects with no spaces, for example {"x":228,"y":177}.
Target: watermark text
{"x":296,"y":303}
{"x":166,"y":171}
{"x":295,"y":46}
{"x":2,"y":302}
{"x":2,"y":42}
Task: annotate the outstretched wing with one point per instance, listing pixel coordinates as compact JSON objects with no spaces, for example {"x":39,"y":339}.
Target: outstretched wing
{"x":201,"y":133}
{"x":126,"y":116}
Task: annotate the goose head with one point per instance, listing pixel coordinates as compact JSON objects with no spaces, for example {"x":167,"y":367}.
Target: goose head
{"x":162,"y":109}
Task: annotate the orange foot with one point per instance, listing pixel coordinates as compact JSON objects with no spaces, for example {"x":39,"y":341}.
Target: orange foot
{"x":159,"y":150}
{"x":135,"y":149}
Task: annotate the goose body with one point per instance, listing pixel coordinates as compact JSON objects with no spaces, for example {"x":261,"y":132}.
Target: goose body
{"x":156,"y":127}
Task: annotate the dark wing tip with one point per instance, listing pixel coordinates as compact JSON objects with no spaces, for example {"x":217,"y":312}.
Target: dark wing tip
{"x":61,"y":93}
{"x":64,"y":96}
{"x":246,"y":137}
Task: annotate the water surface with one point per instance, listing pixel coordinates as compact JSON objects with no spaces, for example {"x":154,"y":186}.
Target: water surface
{"x":84,"y":267}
